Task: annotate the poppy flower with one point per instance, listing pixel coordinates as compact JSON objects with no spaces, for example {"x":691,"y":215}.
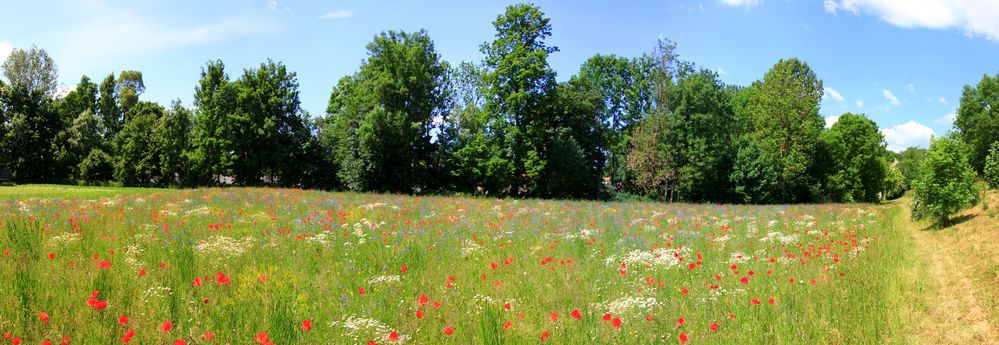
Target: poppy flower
{"x":422,"y":300}
{"x":123,"y":320}
{"x":263,"y":338}
{"x":683,"y":338}
{"x":180,"y":342}
{"x":44,"y":317}
{"x":607,"y":317}
{"x":307,"y":325}
{"x":361,"y":291}
{"x":436,"y":305}
{"x":576,"y":315}
{"x":679,"y":322}
{"x":404,"y":268}
{"x":507,"y":325}
{"x":393,"y":336}
{"x":714,"y":327}
{"x":128,"y":336}
{"x":506,"y":306}
{"x":448,"y":331}
{"x":554,"y":317}
{"x":544,"y":336}
{"x":166,"y":327}
{"x":616,"y":323}
{"x":208,"y":336}
{"x":419,"y":313}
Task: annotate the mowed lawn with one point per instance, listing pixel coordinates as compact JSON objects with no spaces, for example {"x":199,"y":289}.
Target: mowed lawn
{"x":241,"y":266}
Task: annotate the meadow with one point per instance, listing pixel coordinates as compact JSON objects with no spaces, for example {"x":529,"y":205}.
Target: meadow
{"x":240,"y":266}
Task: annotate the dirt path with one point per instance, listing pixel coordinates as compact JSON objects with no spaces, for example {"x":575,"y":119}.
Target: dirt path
{"x":948,"y":309}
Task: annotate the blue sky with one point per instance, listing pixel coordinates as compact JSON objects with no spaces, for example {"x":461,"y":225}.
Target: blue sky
{"x":903,"y":63}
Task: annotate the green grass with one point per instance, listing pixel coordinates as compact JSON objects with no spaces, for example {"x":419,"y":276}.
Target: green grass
{"x":67,"y":191}
{"x":293,"y":255}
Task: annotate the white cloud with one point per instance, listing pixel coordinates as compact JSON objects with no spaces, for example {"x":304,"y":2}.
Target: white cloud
{"x":273,"y":5}
{"x":946,"y":119}
{"x":5,"y":49}
{"x":120,"y":33}
{"x":720,"y":71}
{"x":62,"y":91}
{"x":338,"y":14}
{"x":890,"y":96}
{"x":942,"y":100}
{"x":859,"y":103}
{"x":830,"y":120}
{"x":831,"y":92}
{"x":746,"y":3}
{"x":911,"y":87}
{"x":912,"y":133}
{"x":975,"y":17}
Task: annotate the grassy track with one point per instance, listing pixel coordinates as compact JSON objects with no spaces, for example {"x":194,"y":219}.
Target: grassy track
{"x":65,"y":191}
{"x":245,"y":263}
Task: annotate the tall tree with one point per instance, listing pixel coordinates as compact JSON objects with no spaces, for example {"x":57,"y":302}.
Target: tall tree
{"x":576,"y":154}
{"x":137,"y":158}
{"x":856,"y":159}
{"x":518,"y":83}
{"x":173,"y":136}
{"x":910,"y":161}
{"x":211,"y":156}
{"x":128,"y":87}
{"x":32,"y":122}
{"x":107,"y":106}
{"x":32,"y":69}
{"x":384,"y":116}
{"x":785,"y":121}
{"x":977,"y":121}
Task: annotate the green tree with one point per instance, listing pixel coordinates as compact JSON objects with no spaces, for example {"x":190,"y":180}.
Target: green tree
{"x":518,"y":83}
{"x":31,"y":123}
{"x":910,"y":161}
{"x":107,"y":108}
{"x":946,"y":184}
{"x":977,"y":120}
{"x":128,"y":87}
{"x":784,"y":119}
{"x":856,"y":159}
{"x":576,"y":148}
{"x":137,"y":158}
{"x":173,"y":136}
{"x":991,"y":170}
{"x":32,"y":69}
{"x":212,"y":133}
{"x":383,"y":117}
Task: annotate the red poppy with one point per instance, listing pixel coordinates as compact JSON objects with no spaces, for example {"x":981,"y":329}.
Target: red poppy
{"x":576,"y":315}
{"x":404,"y":268}
{"x":554,"y":317}
{"x":422,"y":300}
{"x":44,"y":317}
{"x":679,"y":322}
{"x":307,"y":325}
{"x":419,"y":313}
{"x":448,"y":331}
{"x":544,"y":336}
{"x":507,"y":325}
{"x":166,"y":327}
{"x":683,"y":338}
{"x":607,"y":317}
{"x":123,"y":320}
{"x":616,"y":323}
{"x":208,"y":336}
{"x":361,"y":291}
{"x":393,"y":336}
{"x":128,"y":336}
{"x":180,"y":342}
{"x":714,"y":327}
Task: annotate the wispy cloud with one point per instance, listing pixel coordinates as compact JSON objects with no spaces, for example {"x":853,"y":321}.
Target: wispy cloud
{"x":911,"y":87}
{"x":831,"y":92}
{"x":942,"y":100}
{"x":746,"y":3}
{"x":975,"y":17}
{"x":337,"y":14}
{"x":830,"y":120}
{"x":122,"y":33}
{"x":912,"y":133}
{"x":946,"y":119}
{"x":859,"y":103}
{"x":890,"y":96}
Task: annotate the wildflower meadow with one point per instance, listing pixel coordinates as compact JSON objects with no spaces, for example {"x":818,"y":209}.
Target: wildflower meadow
{"x":281,"y":266}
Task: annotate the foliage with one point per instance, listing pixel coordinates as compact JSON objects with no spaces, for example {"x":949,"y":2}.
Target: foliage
{"x":910,"y":162}
{"x":977,"y":120}
{"x":991,"y":170}
{"x":946,"y":184}
{"x":383,"y":117}
{"x":784,"y":117}
{"x":31,"y":69}
{"x":855,"y":152}
{"x":137,"y":158}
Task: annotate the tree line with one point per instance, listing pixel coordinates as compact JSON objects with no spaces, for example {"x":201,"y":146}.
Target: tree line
{"x":409,"y":122}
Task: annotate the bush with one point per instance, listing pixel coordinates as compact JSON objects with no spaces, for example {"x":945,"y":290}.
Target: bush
{"x":991,"y":170}
{"x":946,"y":184}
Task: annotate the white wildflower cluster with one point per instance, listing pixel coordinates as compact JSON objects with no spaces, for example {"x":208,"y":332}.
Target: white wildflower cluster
{"x":737,"y":258}
{"x":470,"y":247}
{"x":359,"y":328}
{"x":200,"y":211}
{"x":625,"y":304}
{"x":722,"y":238}
{"x":583,"y":234}
{"x":802,"y":223}
{"x":223,"y":246}
{"x":156,"y":291}
{"x":635,"y":221}
{"x":384,"y":279}
{"x":131,"y":255}
{"x":660,"y":258}
{"x":377,"y":205}
{"x":780,"y":237}
{"x":62,"y":240}
{"x":324,"y":238}
{"x":771,"y":223}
